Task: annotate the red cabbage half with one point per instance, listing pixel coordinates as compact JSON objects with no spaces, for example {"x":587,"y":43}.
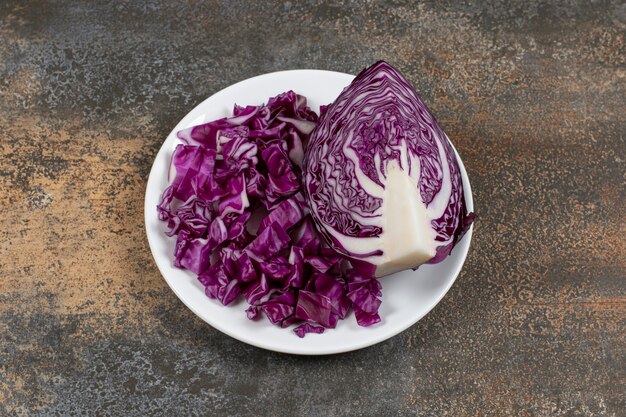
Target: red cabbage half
{"x":382,"y":180}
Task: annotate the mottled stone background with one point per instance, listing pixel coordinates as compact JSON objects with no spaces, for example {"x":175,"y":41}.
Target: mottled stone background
{"x":533,"y":96}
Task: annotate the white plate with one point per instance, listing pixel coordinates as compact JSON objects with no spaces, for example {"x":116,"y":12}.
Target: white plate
{"x":407,"y":296}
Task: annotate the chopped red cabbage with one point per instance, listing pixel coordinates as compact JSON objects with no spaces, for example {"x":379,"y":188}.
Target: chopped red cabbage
{"x":305,"y":328}
{"x":226,"y":173}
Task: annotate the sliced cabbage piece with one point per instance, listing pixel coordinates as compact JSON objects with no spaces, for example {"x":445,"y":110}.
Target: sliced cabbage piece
{"x":381,"y":178}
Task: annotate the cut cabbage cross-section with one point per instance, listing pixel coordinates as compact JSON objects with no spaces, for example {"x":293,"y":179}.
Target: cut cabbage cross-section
{"x":381,"y":177}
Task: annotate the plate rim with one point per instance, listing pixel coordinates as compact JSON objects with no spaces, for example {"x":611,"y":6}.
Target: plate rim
{"x":268,"y":346}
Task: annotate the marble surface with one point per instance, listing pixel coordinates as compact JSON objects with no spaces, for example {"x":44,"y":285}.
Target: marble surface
{"x":532,"y":95}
